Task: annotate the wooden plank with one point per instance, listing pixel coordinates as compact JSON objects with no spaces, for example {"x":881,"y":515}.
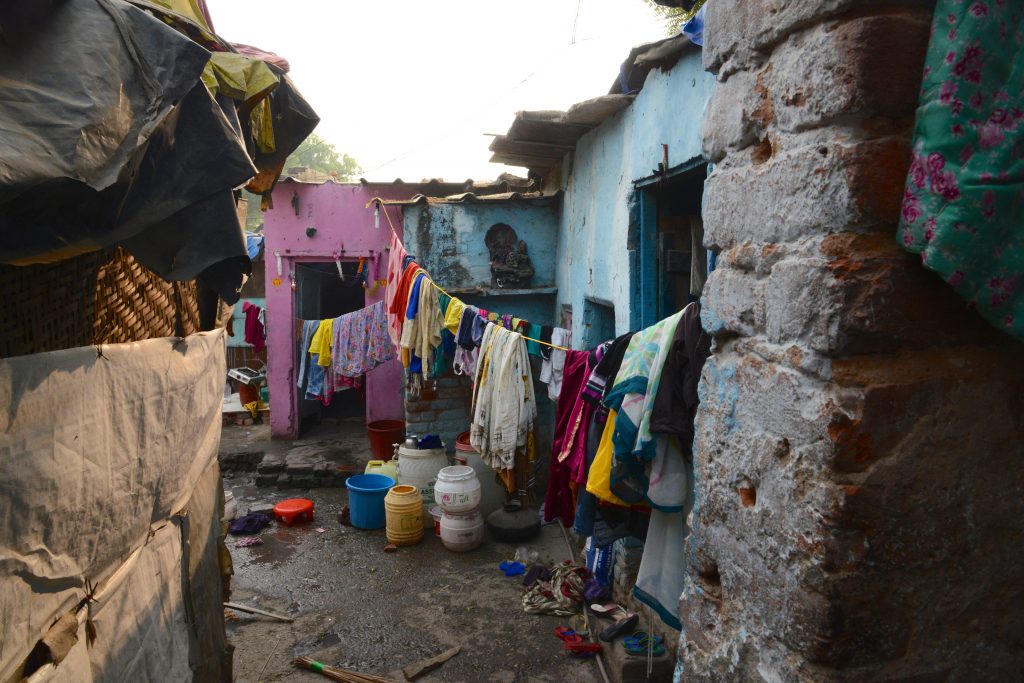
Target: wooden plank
{"x":254,"y":610}
{"x":414,"y":671}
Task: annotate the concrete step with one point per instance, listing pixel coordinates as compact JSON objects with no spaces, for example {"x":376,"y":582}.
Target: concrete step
{"x":625,"y":668}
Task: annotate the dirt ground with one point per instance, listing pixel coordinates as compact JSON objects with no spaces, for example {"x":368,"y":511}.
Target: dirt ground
{"x":360,"y":608}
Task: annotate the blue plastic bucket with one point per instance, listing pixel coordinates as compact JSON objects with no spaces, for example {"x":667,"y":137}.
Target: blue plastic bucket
{"x":366,"y":499}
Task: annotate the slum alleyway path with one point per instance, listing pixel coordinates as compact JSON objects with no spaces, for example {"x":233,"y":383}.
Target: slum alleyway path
{"x":360,"y":608}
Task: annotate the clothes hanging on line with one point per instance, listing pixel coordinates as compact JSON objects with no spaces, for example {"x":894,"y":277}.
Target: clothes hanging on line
{"x":504,"y":405}
{"x":255,"y":330}
{"x":552,"y":368}
{"x":305,"y":339}
{"x":361,"y":341}
{"x":632,"y":397}
{"x":421,"y":332}
{"x":675,"y":405}
{"x":396,"y":256}
{"x":559,"y":502}
{"x":323,"y":340}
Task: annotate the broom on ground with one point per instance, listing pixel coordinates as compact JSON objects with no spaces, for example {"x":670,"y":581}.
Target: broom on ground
{"x":336,"y":674}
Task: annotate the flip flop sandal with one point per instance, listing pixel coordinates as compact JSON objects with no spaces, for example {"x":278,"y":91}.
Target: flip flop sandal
{"x":583,"y":649}
{"x":626,"y":623}
{"x":567,"y":635}
{"x":638,"y":643}
{"x":579,"y":624}
{"x":606,"y":610}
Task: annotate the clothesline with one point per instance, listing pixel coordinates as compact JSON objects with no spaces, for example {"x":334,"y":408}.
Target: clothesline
{"x":380,"y":203}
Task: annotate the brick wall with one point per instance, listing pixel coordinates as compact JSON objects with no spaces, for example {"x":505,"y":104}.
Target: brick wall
{"x":857,"y":463}
{"x":443,"y":408}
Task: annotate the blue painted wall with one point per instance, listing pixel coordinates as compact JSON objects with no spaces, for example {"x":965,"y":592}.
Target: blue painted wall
{"x":238,"y":321}
{"x":448,"y":241}
{"x":592,"y":234}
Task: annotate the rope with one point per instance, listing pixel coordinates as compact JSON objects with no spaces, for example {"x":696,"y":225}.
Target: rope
{"x":380,"y":203}
{"x":554,"y":346}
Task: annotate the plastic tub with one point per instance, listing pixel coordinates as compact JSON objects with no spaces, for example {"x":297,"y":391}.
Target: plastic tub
{"x":462,"y":532}
{"x":384,"y":434}
{"x":457,"y":489}
{"x":436,"y":513}
{"x":366,"y":499}
{"x":419,"y":468}
{"x":404,"y":515}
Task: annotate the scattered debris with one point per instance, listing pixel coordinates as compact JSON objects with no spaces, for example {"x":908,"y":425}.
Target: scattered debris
{"x":248,"y":541}
{"x":414,"y":671}
{"x":320,"y":530}
{"x":336,"y":674}
{"x":254,"y":610}
{"x":391,"y":548}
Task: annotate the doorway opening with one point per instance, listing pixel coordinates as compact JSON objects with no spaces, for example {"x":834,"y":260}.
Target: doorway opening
{"x":321,"y":294}
{"x":671,"y":263}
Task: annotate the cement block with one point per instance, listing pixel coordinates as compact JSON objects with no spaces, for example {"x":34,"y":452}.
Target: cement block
{"x":867,"y":66}
{"x":271,"y":463}
{"x":266,"y":479}
{"x":746,"y":30}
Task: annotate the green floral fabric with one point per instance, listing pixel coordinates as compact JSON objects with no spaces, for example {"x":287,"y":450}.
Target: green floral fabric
{"x":963,"y":206}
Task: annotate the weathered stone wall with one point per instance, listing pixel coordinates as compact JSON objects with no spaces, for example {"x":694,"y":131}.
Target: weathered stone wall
{"x":859,"y":469}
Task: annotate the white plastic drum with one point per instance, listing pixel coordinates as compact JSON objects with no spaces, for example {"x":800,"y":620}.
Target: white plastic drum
{"x":457,"y":489}
{"x":419,"y":468}
{"x":462,"y":532}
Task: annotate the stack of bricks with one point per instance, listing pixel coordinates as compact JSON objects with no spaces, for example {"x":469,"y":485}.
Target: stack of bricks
{"x":859,"y":441}
{"x":442,"y":408}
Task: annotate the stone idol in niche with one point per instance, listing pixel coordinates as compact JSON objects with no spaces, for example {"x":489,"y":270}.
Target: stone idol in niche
{"x":510,"y":259}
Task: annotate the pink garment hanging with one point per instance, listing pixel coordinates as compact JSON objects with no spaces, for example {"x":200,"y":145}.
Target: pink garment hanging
{"x":396,"y":258}
{"x":558,"y":500}
{"x":255,"y":334}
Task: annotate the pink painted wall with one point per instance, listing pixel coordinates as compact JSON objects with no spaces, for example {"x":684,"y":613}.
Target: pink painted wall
{"x":343,"y":225}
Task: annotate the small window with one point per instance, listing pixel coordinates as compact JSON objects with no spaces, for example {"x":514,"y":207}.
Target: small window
{"x":598,"y":321}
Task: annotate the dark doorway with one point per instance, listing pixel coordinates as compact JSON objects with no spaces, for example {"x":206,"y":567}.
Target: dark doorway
{"x":673,"y":262}
{"x":322,"y":294}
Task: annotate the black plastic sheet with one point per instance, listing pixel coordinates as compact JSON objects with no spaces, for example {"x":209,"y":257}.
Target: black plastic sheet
{"x":108,"y":136}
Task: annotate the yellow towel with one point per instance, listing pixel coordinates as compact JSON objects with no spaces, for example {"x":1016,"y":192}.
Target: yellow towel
{"x":599,"y":479}
{"x":322,"y":341}
{"x":453,"y":316}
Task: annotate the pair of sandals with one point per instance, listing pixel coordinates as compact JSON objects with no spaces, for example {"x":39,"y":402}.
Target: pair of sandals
{"x":641,"y":642}
{"x":575,"y":644}
{"x":623,"y":621}
{"x":637,"y":644}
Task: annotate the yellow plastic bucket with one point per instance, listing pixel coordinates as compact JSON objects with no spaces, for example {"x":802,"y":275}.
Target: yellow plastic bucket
{"x":403,"y":507}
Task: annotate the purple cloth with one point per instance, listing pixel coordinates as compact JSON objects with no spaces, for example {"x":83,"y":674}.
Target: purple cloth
{"x":249,"y":524}
{"x":558,"y":500}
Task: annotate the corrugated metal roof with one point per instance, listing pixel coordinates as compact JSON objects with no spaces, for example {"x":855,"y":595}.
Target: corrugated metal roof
{"x":642,"y":59}
{"x":473,"y":198}
{"x":539,"y":140}
{"x":431,"y":187}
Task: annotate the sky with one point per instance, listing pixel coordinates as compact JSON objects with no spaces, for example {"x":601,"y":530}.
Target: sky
{"x":410,"y":88}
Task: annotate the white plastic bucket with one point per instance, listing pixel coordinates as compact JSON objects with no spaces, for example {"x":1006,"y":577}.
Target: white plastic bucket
{"x":462,"y":532}
{"x":419,"y":468}
{"x":457,"y":489}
